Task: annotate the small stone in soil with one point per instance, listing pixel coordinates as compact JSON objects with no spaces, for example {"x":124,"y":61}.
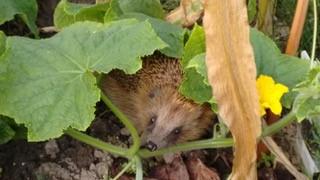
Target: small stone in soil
{"x":51,"y":148}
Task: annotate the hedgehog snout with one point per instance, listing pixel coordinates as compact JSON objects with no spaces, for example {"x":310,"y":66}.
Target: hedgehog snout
{"x":151,"y":146}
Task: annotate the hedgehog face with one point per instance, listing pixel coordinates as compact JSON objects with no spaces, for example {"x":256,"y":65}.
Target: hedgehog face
{"x":169,"y":118}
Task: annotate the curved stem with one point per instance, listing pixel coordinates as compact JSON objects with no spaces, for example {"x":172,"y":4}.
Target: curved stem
{"x":123,"y":170}
{"x":96,"y":142}
{"x":275,"y":127}
{"x":208,"y":143}
{"x":135,"y":136}
{"x":217,"y":143}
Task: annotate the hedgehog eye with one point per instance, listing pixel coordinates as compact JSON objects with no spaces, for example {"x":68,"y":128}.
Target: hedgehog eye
{"x":153,"y":119}
{"x":177,"y":130}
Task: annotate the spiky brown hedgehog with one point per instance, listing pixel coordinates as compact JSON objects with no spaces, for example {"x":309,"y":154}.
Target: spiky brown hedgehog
{"x":150,"y":98}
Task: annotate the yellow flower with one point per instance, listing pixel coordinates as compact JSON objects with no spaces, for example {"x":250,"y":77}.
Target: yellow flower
{"x":270,"y":94}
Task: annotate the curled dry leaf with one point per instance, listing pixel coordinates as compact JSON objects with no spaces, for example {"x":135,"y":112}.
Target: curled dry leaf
{"x":174,"y":171}
{"x":198,"y":171}
{"x":280,"y":157}
{"x":232,"y":73}
{"x":187,"y":13}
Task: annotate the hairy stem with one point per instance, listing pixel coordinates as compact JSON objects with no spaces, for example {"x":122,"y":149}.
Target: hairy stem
{"x":96,"y":142}
{"x":202,"y":144}
{"x":139,"y":169}
{"x":135,"y":136}
{"x":275,"y":127}
{"x":217,"y":143}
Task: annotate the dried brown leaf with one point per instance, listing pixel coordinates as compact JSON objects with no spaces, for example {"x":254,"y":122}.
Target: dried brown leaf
{"x":174,"y":171}
{"x":232,"y":73}
{"x":187,"y":13}
{"x":198,"y":171}
{"x":280,"y":157}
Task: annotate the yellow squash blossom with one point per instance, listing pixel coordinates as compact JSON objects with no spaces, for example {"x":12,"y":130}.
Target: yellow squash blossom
{"x":270,"y":94}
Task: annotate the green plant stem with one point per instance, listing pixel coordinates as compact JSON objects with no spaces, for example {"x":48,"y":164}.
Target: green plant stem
{"x":202,"y":144}
{"x":275,"y":127}
{"x":97,"y":143}
{"x":208,"y":143}
{"x":123,"y":170}
{"x":139,"y":170}
{"x":314,"y":39}
{"x":217,"y":143}
{"x":135,"y":136}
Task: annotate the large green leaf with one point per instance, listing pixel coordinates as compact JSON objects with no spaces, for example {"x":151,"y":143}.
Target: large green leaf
{"x":67,"y":13}
{"x":171,"y":34}
{"x":2,"y":42}
{"x":26,"y":9}
{"x":285,"y":69}
{"x":195,"y":44}
{"x":151,"y":8}
{"x":195,"y":82}
{"x":49,"y":85}
{"x":6,"y":132}
{"x":307,"y":102}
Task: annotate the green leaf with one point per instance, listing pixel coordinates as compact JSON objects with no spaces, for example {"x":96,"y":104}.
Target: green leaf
{"x":26,"y":9}
{"x":151,"y":8}
{"x":6,"y":132}
{"x":2,"y":42}
{"x":307,"y":102}
{"x":67,"y":13}
{"x":195,"y":45}
{"x":114,"y":12}
{"x":171,"y":34}
{"x":195,"y":82}
{"x":284,"y":69}
{"x":48,"y":85}
{"x":252,"y":9}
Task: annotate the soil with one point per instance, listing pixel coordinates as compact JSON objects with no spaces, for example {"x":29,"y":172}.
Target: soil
{"x":68,"y":159}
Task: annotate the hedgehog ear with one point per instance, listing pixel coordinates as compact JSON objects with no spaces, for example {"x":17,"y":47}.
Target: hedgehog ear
{"x":154,"y":92}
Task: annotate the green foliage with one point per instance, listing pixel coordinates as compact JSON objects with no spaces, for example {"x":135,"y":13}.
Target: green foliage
{"x":195,"y":82}
{"x":6,"y":132}
{"x":2,"y":42}
{"x":252,"y":9}
{"x":284,"y":69}
{"x":195,"y":45}
{"x":267,"y":160}
{"x":151,"y":8}
{"x":307,"y":102}
{"x":49,"y":85}
{"x":171,"y":34}
{"x":67,"y":13}
{"x":26,"y":9}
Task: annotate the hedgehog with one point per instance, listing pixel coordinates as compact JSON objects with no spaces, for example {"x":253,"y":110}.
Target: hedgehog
{"x":152,"y":101}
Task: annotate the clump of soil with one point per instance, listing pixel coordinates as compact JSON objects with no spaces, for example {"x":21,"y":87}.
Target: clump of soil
{"x":64,"y":158}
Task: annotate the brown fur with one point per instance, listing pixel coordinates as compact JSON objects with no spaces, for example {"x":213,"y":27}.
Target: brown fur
{"x":153,"y":92}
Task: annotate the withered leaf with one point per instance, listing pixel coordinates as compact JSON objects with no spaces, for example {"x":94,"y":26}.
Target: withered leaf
{"x":232,"y":72}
